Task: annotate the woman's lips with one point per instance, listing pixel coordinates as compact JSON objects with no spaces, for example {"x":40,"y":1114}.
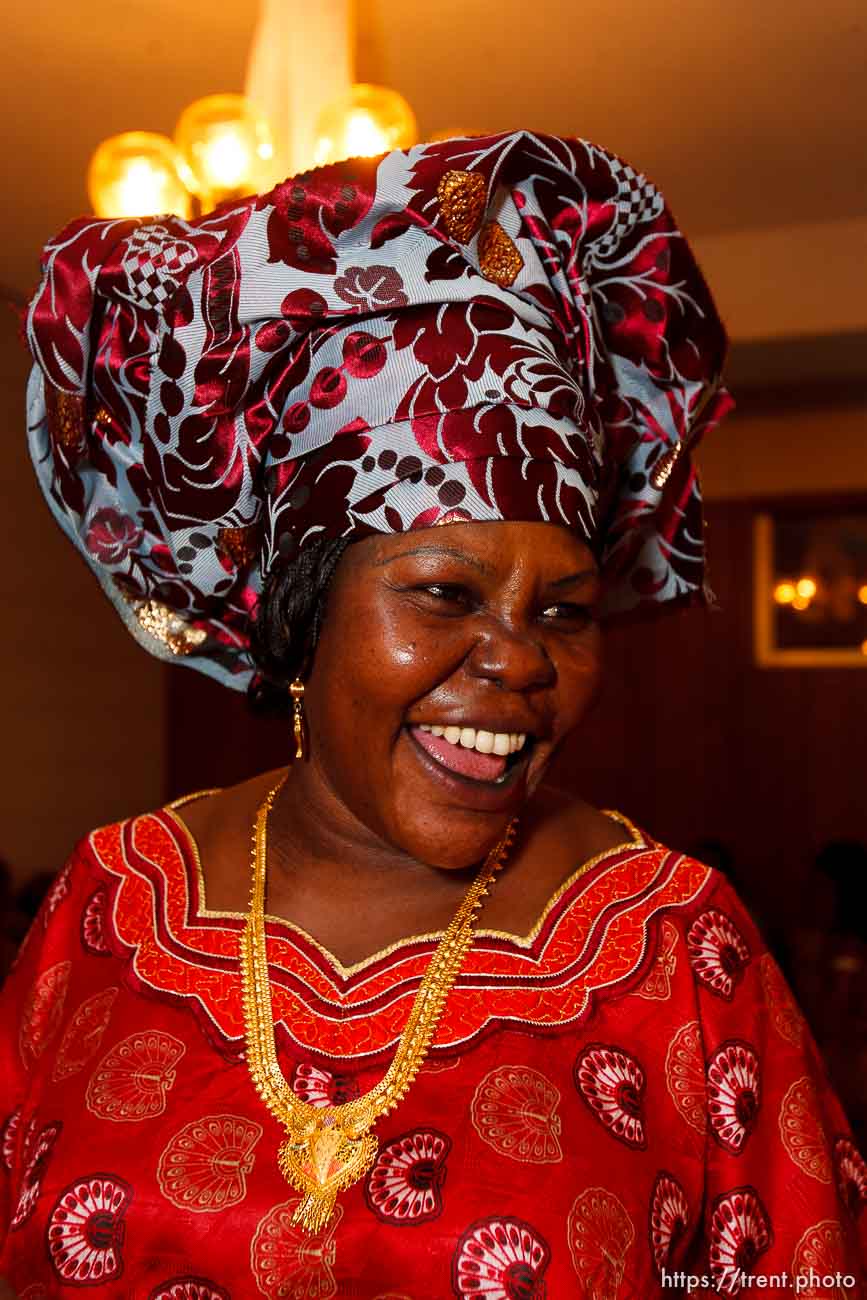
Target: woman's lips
{"x":465,"y":762}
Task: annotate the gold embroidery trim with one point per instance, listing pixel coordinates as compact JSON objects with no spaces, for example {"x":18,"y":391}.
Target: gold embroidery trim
{"x":526,"y":941}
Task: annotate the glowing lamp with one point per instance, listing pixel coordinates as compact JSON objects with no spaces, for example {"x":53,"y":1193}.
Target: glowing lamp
{"x":806,"y":588}
{"x":137,"y":174}
{"x":784,"y":593}
{"x":226,"y":143}
{"x":801,"y":603}
{"x":862,"y":593}
{"x":368,"y":121}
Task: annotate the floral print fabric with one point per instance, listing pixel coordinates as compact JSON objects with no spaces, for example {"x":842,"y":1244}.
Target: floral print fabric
{"x":510,"y":327}
{"x":680,"y":1123}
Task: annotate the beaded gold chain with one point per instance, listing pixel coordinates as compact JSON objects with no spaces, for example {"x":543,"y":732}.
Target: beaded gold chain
{"x":329,"y":1148}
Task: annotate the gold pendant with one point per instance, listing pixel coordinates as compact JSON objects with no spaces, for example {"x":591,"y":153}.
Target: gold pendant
{"x":322,"y":1165}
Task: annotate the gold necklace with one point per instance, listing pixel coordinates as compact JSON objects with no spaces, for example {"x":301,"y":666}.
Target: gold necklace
{"x":329,"y":1148}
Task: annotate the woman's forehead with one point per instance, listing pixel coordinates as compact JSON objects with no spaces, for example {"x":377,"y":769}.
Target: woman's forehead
{"x":486,"y":545}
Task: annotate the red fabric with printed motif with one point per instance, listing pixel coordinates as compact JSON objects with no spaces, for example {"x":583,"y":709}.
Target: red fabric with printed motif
{"x":627,"y":1093}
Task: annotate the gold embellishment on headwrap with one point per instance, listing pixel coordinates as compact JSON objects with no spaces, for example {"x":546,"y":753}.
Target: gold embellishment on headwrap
{"x":499,"y":259}
{"x":241,"y":545}
{"x":167,"y":626}
{"x":462,"y":197}
{"x":65,"y":418}
{"x":661,"y":472}
{"x":456,"y":516}
{"x":102,"y":416}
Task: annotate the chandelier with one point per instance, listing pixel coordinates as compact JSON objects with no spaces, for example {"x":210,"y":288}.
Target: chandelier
{"x":300,"y":109}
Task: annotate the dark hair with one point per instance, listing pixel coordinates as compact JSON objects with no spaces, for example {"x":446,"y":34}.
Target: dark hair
{"x":288,"y":622}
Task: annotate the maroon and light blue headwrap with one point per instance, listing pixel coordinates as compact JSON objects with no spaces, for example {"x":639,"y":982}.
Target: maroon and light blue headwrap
{"x":486,"y":329}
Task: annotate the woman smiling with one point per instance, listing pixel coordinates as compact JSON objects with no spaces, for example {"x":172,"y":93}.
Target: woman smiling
{"x":383,"y":447}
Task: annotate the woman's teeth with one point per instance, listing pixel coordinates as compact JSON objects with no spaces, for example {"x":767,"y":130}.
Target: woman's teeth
{"x":502,"y":743}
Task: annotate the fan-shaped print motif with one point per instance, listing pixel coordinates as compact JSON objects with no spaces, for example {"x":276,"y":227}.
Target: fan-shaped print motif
{"x":821,"y":1253}
{"x":657,"y":985}
{"x":669,"y":1219}
{"x":501,"y":1259}
{"x":514,"y":1110}
{"x":322,"y":1088}
{"x":685,"y":1075}
{"x":740,"y":1233}
{"x":86,"y":1230}
{"x":189,"y":1288}
{"x":9,"y":1139}
{"x":611,"y":1081}
{"x":405,"y":1184}
{"x":782,"y":1007}
{"x":802,"y":1132}
{"x":36,"y":1158}
{"x":288,"y":1261}
{"x":850,"y":1169}
{"x":84,"y":1033}
{"x":733,"y":1094}
{"x":600,"y":1234}
{"x":718,"y":952}
{"x":132,"y":1081}
{"x":438,"y":1065}
{"x":43,"y":1011}
{"x":93,"y":923}
{"x":204,"y":1167}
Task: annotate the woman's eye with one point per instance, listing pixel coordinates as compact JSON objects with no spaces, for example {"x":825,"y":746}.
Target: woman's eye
{"x":447,"y":591}
{"x":566,"y":612}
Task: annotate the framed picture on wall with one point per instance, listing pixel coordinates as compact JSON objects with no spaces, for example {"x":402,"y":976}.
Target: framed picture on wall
{"x":810,"y":585}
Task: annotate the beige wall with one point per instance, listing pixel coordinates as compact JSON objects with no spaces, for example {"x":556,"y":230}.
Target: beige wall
{"x":786,"y":452}
{"x":82,"y":705}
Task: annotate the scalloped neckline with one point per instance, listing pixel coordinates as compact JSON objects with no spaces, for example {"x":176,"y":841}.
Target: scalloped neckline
{"x":523,"y":942}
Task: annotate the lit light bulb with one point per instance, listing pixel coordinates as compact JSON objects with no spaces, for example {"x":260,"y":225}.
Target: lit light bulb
{"x":862,"y":593}
{"x":367,"y":121}
{"x":801,"y":603}
{"x":784,"y":593}
{"x":137,"y":174}
{"x":806,"y":588}
{"x":226,"y":143}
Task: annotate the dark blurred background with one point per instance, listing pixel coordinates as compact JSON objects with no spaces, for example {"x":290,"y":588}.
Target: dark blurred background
{"x":753,"y":121}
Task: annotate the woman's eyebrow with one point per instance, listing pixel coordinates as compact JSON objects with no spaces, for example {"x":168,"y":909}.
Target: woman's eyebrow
{"x":573,"y":579}
{"x":438,"y":552}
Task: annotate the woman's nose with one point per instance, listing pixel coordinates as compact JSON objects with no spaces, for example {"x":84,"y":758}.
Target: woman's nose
{"x":514,"y":659}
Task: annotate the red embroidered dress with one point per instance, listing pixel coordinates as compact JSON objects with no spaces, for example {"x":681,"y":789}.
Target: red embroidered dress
{"x":626,"y":1094}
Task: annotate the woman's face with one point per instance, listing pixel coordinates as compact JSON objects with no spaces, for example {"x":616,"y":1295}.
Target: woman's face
{"x":483,"y":630}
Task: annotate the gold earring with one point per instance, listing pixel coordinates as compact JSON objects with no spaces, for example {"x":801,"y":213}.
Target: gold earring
{"x":296,"y":690}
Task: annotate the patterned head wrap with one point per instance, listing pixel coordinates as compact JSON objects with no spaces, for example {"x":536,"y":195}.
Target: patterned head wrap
{"x":501,"y":328}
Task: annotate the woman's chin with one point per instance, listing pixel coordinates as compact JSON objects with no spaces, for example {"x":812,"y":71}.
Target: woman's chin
{"x":457,"y":845}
